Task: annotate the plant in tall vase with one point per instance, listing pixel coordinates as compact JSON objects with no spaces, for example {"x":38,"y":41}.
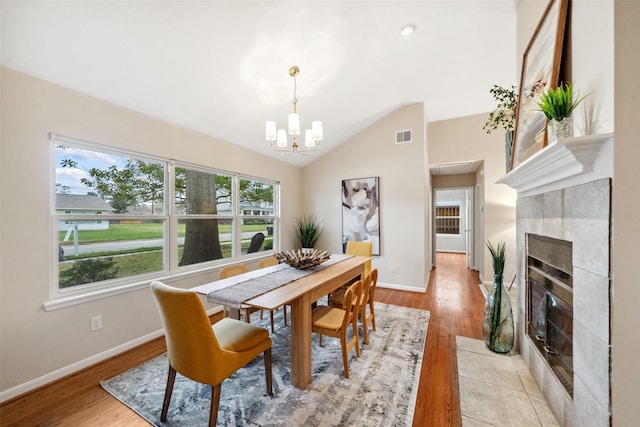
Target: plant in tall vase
{"x":308,"y":230}
{"x":558,"y":105}
{"x":504,"y":116}
{"x":497,"y":326}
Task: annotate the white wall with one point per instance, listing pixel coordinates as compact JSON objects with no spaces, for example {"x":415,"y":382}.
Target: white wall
{"x":36,"y":345}
{"x":404,"y":195}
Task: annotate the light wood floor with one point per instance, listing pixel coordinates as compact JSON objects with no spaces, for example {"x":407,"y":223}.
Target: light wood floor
{"x":453,"y":298}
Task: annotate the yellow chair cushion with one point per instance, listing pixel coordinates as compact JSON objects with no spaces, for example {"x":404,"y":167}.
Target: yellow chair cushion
{"x":235,"y":335}
{"x":328,"y":318}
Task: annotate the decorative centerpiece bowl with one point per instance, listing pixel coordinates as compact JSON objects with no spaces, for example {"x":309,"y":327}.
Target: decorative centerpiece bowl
{"x":302,"y":261}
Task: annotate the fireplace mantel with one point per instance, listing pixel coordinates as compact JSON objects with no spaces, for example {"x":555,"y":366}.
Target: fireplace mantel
{"x":561,"y":160}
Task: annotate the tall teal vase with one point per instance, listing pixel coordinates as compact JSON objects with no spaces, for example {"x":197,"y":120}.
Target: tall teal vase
{"x":498,"y":319}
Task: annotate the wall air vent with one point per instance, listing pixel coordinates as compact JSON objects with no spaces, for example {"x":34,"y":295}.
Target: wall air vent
{"x":403,"y":136}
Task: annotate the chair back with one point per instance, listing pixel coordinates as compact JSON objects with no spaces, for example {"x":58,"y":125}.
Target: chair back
{"x":352,"y":299}
{"x":233,"y":270}
{"x":374,"y":282}
{"x":361,"y":249}
{"x":267,"y":262}
{"x":191,"y":343}
{"x":256,"y":243}
{"x":366,"y":286}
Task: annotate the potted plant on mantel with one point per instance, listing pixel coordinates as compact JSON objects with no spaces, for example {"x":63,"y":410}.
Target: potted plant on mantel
{"x":504,"y":116}
{"x":558,"y":105}
{"x":308,"y":229}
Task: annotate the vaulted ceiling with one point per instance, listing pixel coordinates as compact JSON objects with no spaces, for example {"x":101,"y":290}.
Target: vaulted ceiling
{"x":221,"y":67}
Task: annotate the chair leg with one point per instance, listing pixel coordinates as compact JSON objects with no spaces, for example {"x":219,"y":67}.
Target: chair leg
{"x":215,"y":403}
{"x":247,"y":316}
{"x":284,"y":308}
{"x":355,"y":335}
{"x":345,"y":354}
{"x":373,"y":316}
{"x":171,"y":378}
{"x":363,"y":320}
{"x":267,"y":370}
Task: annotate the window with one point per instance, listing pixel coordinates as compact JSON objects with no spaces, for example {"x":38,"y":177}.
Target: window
{"x":448,"y":219}
{"x":148,"y":228}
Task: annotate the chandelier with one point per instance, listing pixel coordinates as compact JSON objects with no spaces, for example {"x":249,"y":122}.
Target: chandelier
{"x":312,"y":137}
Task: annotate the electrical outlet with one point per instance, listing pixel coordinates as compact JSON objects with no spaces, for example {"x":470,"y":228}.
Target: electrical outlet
{"x":96,"y":323}
{"x":392,"y":268}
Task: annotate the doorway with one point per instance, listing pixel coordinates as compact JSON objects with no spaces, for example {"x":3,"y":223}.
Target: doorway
{"x":460,"y":187}
{"x":454,"y":221}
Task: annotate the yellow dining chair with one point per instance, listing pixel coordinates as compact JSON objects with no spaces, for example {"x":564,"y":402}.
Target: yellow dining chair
{"x":371,"y":318}
{"x":366,"y":299}
{"x":361,"y":249}
{"x":333,"y":322}
{"x":234,"y":270}
{"x":202,"y":352}
{"x":269,"y":262}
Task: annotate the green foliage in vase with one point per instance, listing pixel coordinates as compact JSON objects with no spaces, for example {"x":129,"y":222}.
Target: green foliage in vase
{"x":504,"y":115}
{"x":499,"y":255}
{"x":308,"y":229}
{"x":560,"y":102}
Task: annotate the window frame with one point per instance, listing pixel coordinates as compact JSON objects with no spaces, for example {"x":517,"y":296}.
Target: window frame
{"x":62,"y":297}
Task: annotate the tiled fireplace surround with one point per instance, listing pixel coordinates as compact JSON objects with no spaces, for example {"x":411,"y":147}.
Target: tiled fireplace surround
{"x":564,"y":192}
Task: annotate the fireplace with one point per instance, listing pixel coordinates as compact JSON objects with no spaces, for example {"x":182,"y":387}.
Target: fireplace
{"x":563,"y":237}
{"x":549,"y":304}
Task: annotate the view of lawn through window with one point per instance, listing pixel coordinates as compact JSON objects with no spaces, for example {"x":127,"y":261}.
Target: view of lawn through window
{"x":114,"y":223}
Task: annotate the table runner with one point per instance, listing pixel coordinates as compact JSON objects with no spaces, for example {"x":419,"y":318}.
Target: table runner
{"x":235,"y":295}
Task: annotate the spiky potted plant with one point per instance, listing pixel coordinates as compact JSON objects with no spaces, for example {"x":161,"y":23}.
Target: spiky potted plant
{"x":308,"y":230}
{"x":558,"y":105}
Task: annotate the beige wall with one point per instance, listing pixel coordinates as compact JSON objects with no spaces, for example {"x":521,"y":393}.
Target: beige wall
{"x":462,"y":139}
{"x":37,"y":345}
{"x":404,"y":192}
{"x":626,"y":228}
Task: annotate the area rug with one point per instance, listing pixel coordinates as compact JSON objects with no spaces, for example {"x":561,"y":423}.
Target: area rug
{"x":381,"y":390}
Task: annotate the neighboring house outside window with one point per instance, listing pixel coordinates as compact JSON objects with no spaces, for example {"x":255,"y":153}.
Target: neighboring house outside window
{"x":85,"y":204}
{"x":147,"y":228}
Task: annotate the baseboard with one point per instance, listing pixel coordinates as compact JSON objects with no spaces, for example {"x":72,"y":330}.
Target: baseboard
{"x":82,"y":364}
{"x":402,"y":287}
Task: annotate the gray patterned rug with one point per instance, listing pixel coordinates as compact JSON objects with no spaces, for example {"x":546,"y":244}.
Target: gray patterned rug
{"x":381,"y":390}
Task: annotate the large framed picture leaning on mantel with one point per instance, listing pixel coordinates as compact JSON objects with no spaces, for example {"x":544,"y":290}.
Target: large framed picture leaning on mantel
{"x":540,"y":72}
{"x":360,"y":212}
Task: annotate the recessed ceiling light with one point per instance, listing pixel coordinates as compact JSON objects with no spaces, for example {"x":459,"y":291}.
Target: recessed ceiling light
{"x":408,"y":29}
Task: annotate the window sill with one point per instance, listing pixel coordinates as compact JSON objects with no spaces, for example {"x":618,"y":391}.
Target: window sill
{"x":65,"y":301}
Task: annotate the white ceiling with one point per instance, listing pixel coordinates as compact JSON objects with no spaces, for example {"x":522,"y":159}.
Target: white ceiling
{"x":221,"y":67}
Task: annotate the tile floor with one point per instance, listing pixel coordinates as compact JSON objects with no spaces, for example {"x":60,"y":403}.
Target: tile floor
{"x":497,"y":389}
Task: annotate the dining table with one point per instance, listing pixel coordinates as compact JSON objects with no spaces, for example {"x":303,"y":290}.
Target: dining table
{"x":299,"y":293}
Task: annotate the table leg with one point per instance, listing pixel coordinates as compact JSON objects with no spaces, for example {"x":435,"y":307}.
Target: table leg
{"x":234,"y":313}
{"x":301,"y":342}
